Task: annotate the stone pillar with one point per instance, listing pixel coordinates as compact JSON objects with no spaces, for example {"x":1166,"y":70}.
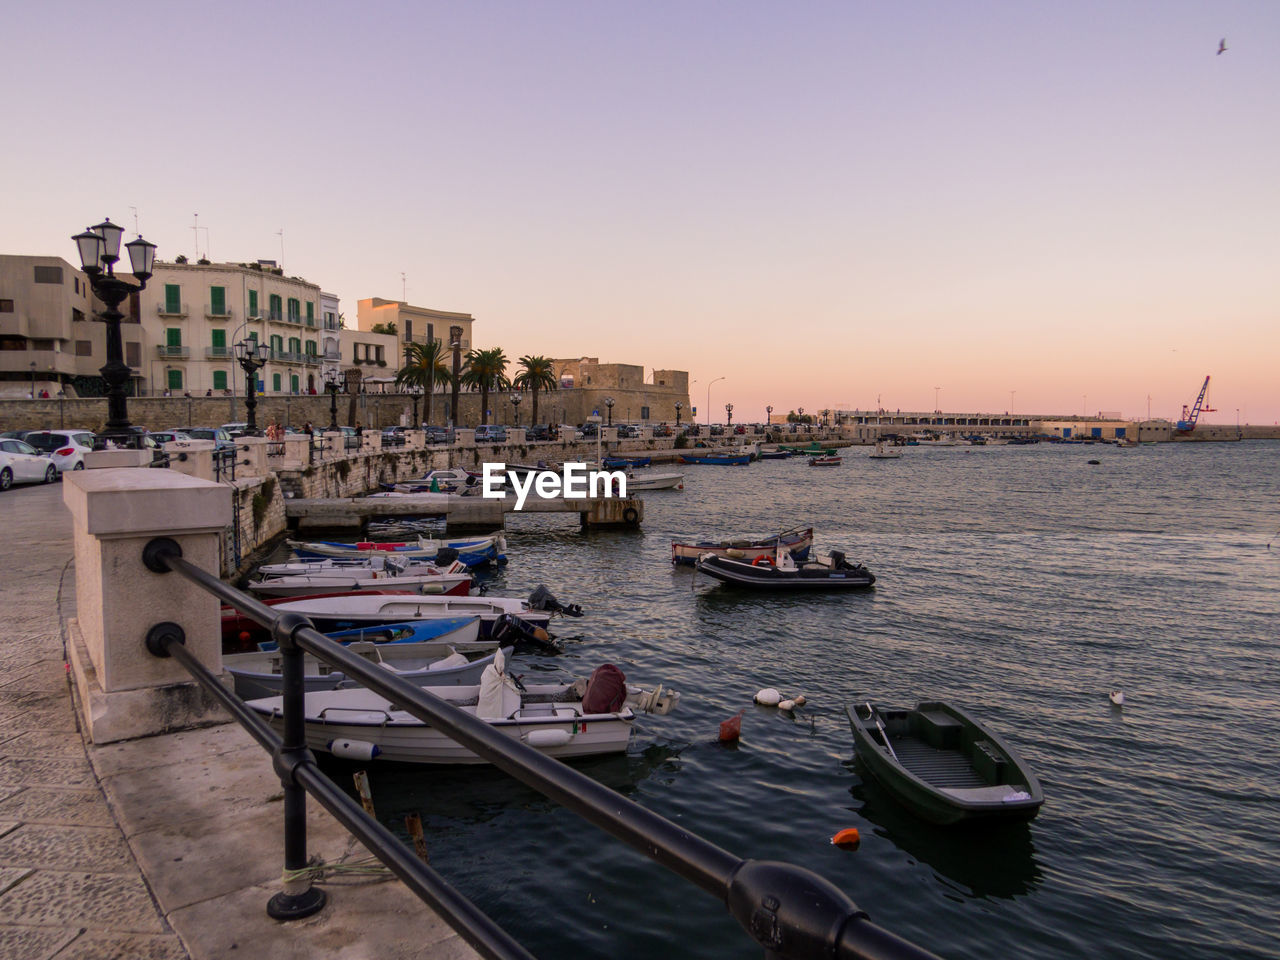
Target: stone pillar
{"x":372,"y":441}
{"x":191,"y":457}
{"x":415,"y":440}
{"x":333,"y":444}
{"x":252,"y":452}
{"x":516,"y":436}
{"x":126,"y":692}
{"x":108,"y":459}
{"x":464,"y":437}
{"x":296,"y":454}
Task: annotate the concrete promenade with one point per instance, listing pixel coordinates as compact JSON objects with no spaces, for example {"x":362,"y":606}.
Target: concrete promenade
{"x":163,"y":848}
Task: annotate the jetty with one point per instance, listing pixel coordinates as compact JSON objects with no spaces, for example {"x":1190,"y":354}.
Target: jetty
{"x":460,"y":513}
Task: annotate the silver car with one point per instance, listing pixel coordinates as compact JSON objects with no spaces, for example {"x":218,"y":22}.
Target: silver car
{"x":20,"y":463}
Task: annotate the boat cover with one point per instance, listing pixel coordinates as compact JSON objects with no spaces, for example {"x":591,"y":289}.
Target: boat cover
{"x":606,"y":690}
{"x":498,"y":697}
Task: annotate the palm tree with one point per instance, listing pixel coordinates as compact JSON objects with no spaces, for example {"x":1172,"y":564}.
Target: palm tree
{"x":486,"y":371}
{"x":538,"y":374}
{"x":424,"y":367}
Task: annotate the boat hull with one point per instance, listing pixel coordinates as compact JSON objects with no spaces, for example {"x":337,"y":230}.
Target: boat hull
{"x":797,"y":542}
{"x":765,"y":576}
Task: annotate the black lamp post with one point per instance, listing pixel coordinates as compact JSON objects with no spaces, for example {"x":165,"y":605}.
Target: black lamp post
{"x":99,"y":248}
{"x":252,"y":356}
{"x":332,"y":383}
{"x":679,"y":407}
{"x":728,"y":409}
{"x":768,"y":415}
{"x":608,"y":402}
{"x":515,"y":409}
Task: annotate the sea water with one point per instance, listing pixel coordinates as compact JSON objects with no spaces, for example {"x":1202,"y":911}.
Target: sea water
{"x":1021,"y":583}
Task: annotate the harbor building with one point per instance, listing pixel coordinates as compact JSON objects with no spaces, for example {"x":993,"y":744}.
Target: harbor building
{"x":47,"y":343}
{"x":412,"y":324}
{"x":586,"y":385}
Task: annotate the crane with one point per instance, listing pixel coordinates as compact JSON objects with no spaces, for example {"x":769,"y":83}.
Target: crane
{"x":1187,"y":423}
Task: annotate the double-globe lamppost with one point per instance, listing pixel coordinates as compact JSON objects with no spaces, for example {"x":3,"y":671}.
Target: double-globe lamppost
{"x":252,"y":356}
{"x":679,"y":407}
{"x":609,"y":402}
{"x":333,"y":382}
{"x":99,"y":248}
{"x":768,"y":416}
{"x":728,"y":412}
{"x":515,"y":409}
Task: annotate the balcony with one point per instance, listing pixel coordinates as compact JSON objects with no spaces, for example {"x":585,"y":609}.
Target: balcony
{"x":311,"y":358}
{"x":275,"y":316}
{"x":225,"y":313}
{"x":287,"y":356}
{"x":162,"y":309}
{"x":219,"y":353}
{"x":165,"y":350}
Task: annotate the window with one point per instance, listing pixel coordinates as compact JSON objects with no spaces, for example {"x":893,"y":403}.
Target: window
{"x":293,"y":382}
{"x":175,"y":379}
{"x":172,"y":298}
{"x":133,"y":354}
{"x":275,"y":382}
{"x":218,"y":301}
{"x":219,"y":340}
{"x":219,"y":379}
{"x":48,"y":275}
{"x":6,"y":306}
{"x":173,"y":337}
{"x":84,"y":348}
{"x":277,"y":344}
{"x":295,"y":310}
{"x":253,"y":303}
{"x":295,"y":345}
{"x":644,"y":413}
{"x":311,"y":348}
{"x":277,"y":310}
{"x":76,"y":315}
{"x":311,"y":314}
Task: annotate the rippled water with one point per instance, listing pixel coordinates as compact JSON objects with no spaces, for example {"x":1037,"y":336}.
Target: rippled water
{"x":1021,"y":583}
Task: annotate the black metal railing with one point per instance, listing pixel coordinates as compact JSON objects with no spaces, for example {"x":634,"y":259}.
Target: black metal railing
{"x":790,"y":911}
{"x":224,"y":464}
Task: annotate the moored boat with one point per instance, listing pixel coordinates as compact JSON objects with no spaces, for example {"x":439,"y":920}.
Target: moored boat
{"x":943,"y":765}
{"x":717,"y":459}
{"x":830,"y":573}
{"x":654,"y":481}
{"x":473,"y":551}
{"x":825,"y":461}
{"x":422,"y":578}
{"x":885,"y":452}
{"x":797,"y":541}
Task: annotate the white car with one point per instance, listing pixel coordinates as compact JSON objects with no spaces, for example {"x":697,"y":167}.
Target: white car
{"x":19,"y":463}
{"x":66,"y":448}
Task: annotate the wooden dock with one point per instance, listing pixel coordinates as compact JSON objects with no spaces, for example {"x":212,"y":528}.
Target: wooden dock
{"x":460,"y":513}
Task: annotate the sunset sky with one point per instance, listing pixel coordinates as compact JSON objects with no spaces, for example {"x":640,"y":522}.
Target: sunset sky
{"x":1044,"y":208}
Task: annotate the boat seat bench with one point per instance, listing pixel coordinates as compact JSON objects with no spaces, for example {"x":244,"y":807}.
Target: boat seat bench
{"x":940,"y":730}
{"x":989,"y":761}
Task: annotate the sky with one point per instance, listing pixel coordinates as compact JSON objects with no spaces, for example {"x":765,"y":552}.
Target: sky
{"x":998,"y":206}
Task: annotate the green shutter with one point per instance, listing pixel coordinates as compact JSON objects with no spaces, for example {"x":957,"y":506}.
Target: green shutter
{"x":253,"y":303}
{"x":218,"y":301}
{"x":175,"y":379}
{"x":275,"y":382}
{"x":311,"y":313}
{"x":311,"y":348}
{"x":293,"y":383}
{"x":173,"y":336}
{"x":275,"y":306}
{"x":172,"y":298}
{"x":219,"y":379}
{"x":219,"y":339}
{"x":295,"y":345}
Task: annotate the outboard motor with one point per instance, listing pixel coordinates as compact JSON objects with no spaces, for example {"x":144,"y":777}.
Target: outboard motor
{"x":509,"y":629}
{"x":446,"y":556}
{"x":393,"y":566}
{"x":542,"y":599}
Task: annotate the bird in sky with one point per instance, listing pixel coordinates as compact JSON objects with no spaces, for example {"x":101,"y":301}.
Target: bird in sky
{"x":1222,"y":46}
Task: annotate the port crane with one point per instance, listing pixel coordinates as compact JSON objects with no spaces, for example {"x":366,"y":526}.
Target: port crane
{"x":1187,"y":422}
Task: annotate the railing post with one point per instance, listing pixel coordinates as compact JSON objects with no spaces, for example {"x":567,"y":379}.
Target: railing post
{"x":300,"y":898}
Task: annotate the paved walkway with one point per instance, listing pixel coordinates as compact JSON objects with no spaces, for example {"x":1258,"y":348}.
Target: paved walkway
{"x":165,"y":848}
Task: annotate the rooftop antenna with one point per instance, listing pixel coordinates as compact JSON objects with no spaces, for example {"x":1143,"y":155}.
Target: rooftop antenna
{"x":195,"y":230}
{"x":135,"y":221}
{"x":206,"y":244}
{"x":280,"y":234}
{"x":403,"y":288}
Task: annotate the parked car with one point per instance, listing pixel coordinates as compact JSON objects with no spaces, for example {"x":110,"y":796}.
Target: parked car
{"x":236,"y":429}
{"x":589,"y":431}
{"x":540,"y":431}
{"x":168,"y":436}
{"x":218,"y":435}
{"x":66,"y":448}
{"x":438,"y":434}
{"x":491,"y":433}
{"x":393,"y":436}
{"x":628,"y":431}
{"x":662,"y":430}
{"x":22,"y":463}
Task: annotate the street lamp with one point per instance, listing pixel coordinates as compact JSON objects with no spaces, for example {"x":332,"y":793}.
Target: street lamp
{"x":679,"y":407}
{"x":768,"y":415}
{"x":709,"y":386}
{"x":515,"y":408}
{"x":252,"y":356}
{"x":332,"y":382}
{"x":609,"y":402}
{"x":728,"y":409}
{"x":99,"y":248}
{"x":936,"y":408}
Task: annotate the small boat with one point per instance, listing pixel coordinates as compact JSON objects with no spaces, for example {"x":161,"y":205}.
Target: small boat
{"x":825,"y":461}
{"x":717,"y":459}
{"x":885,"y":452}
{"x":612,"y":463}
{"x":814,"y":449}
{"x":561,"y":720}
{"x":775,"y":454}
{"x":432,"y":664}
{"x":943,"y":765}
{"x":355,"y":564}
{"x":444,"y":480}
{"x":832,"y":572}
{"x":796,"y":541}
{"x":423,"y":578}
{"x":655,"y":481}
{"x":473,"y":551}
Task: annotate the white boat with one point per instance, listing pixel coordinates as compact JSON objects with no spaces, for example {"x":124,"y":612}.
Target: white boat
{"x":654,"y":481}
{"x":421,"y":578}
{"x":470,"y":549}
{"x":356,"y":564}
{"x":362,"y":610}
{"x":361,"y":724}
{"x":885,"y":452}
{"x":257,"y":674}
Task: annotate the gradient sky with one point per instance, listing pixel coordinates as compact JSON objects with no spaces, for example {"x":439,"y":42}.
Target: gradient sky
{"x":825,"y":203}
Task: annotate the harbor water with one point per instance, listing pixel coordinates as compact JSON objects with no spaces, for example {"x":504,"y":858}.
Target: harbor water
{"x":1021,"y":583}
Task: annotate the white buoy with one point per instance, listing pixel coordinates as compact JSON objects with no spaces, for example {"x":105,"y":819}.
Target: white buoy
{"x":768,"y":697}
{"x":786,"y":704}
{"x":1117,"y":697}
{"x":799,"y":700}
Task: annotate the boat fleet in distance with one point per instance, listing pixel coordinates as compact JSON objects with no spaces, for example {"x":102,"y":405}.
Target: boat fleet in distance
{"x":778,"y":563}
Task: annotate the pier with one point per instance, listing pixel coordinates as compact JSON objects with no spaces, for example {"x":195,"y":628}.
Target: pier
{"x":459,"y":513}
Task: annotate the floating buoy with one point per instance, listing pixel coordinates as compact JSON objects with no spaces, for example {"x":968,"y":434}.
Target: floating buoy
{"x":847,"y":838}
{"x":1117,"y":697}
{"x":799,"y":701}
{"x":731,"y":729}
{"x":1094,"y":463}
{"x":787,"y":705}
{"x":768,"y":697}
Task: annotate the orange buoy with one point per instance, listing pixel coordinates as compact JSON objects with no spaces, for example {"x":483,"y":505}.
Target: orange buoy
{"x":731,"y":729}
{"x":847,"y":837}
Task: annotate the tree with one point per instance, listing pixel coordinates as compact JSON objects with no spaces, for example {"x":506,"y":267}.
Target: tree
{"x":486,"y":371}
{"x":538,"y":374}
{"x":388,"y":328}
{"x":424,"y":367}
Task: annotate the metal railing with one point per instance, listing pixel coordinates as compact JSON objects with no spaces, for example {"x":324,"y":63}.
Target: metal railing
{"x":793,"y":913}
{"x":224,"y":464}
{"x":168,"y":350}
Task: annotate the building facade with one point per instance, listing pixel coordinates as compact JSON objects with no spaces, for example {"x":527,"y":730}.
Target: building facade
{"x":47,"y":340}
{"x":414,"y":324}
{"x":586,"y":385}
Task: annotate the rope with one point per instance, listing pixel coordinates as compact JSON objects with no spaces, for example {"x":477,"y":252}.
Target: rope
{"x":365,"y":869}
